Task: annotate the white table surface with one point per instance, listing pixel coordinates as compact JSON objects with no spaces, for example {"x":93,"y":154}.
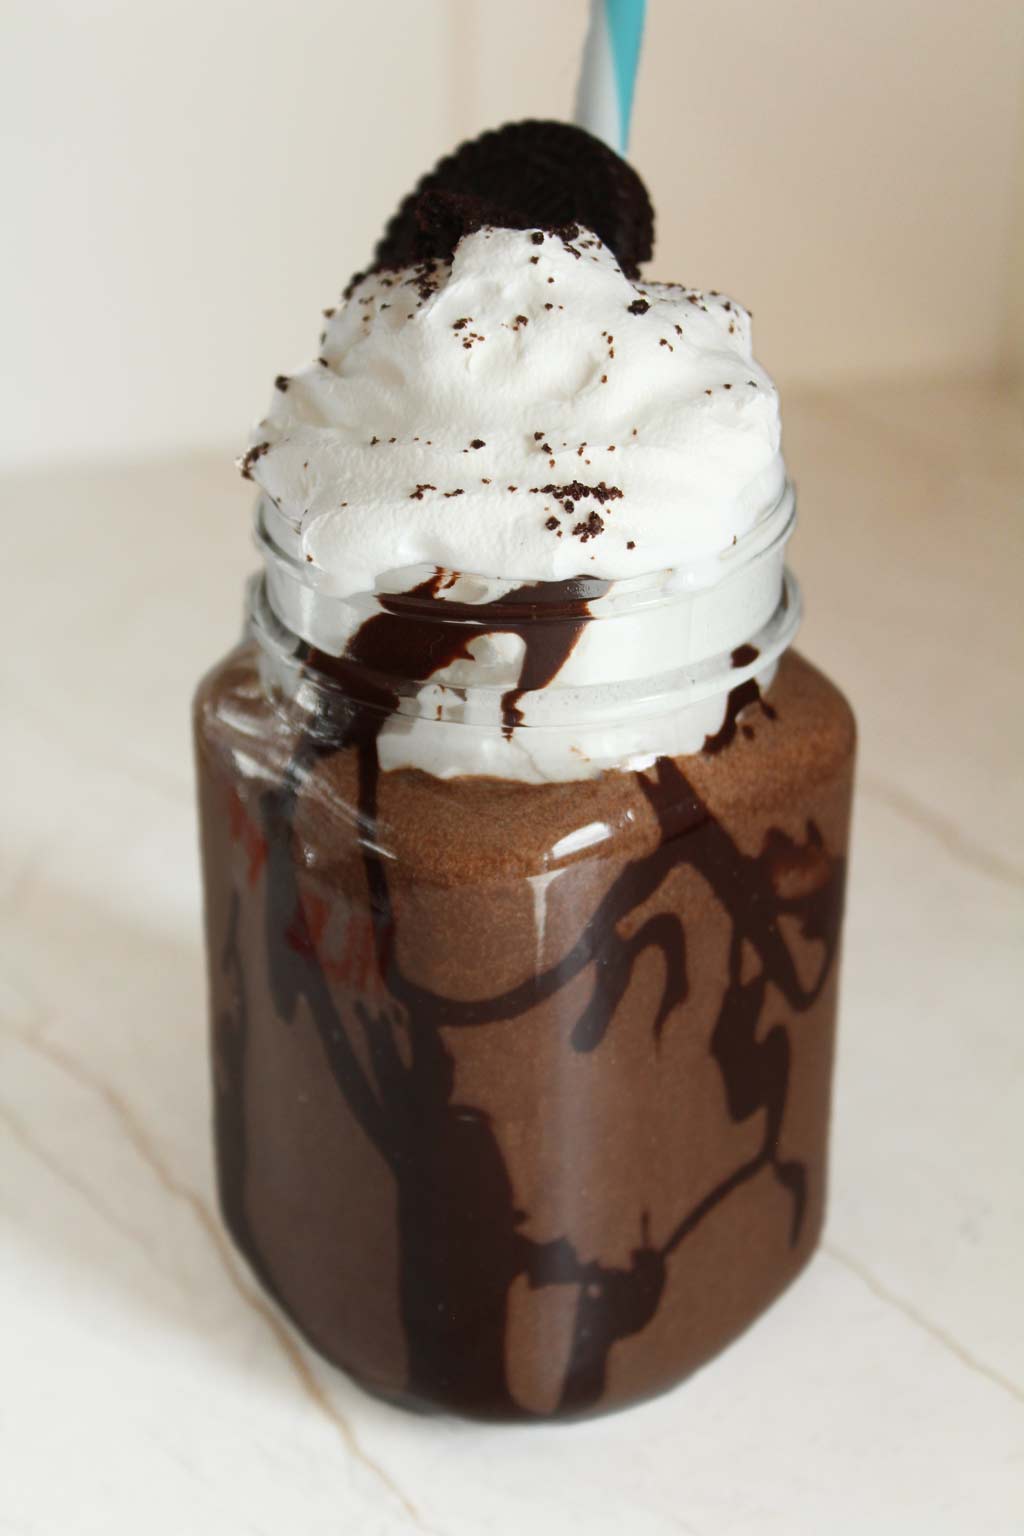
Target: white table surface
{"x":149,"y":1388}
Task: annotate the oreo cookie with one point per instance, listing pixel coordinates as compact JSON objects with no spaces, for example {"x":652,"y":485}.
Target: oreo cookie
{"x":532,"y":175}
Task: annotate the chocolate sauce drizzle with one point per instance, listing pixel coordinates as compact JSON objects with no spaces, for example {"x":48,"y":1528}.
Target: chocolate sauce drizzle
{"x":432,"y":633}
{"x":738,"y":700}
{"x":230,"y":1047}
{"x":460,"y":1240}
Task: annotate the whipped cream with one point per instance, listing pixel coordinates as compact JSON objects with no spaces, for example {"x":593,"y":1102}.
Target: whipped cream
{"x":526,"y":413}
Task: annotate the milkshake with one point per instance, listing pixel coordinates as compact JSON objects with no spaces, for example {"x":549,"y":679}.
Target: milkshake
{"x":524,"y":828}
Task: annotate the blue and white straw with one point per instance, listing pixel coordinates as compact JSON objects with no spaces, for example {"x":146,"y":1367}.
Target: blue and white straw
{"x":604,"y":97}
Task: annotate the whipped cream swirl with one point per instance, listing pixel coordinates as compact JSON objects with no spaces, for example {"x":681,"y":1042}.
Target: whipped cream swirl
{"x":525,"y":412}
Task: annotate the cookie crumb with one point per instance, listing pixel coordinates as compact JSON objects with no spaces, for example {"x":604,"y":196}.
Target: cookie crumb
{"x":593,"y":526}
{"x":249,"y":459}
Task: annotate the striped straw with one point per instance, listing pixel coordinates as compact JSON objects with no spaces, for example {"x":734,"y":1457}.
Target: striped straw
{"x":604,"y":97}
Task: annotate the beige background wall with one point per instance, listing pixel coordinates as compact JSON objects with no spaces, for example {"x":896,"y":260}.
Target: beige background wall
{"x":188,"y":181}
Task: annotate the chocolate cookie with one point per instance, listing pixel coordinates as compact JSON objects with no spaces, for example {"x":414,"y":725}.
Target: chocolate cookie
{"x":532,"y":175}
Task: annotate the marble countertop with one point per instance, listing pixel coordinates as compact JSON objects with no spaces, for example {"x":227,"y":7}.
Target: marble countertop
{"x":148,"y":1386}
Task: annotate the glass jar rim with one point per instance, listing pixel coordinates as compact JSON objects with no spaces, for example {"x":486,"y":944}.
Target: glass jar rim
{"x":773,"y":528}
{"x":445,"y":648}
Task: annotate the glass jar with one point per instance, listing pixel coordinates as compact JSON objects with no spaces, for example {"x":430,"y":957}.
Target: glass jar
{"x":523,"y":910}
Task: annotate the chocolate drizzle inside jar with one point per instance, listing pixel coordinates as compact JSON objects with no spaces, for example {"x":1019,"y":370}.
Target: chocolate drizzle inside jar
{"x":406,"y":1106}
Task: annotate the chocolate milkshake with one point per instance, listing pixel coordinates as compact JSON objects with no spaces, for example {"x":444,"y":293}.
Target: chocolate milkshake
{"x":524,"y":831}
